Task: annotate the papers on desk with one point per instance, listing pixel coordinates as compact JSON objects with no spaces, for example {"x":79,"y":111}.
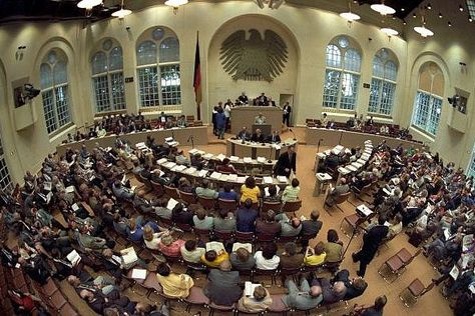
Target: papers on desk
{"x":128,"y":255}
{"x":246,"y":246}
{"x":169,"y":139}
{"x":215,"y":175}
{"x":190,"y":170}
{"x":202,"y":173}
{"x":75,"y":207}
{"x":179,"y":168}
{"x":162,"y":161}
{"x":249,"y":288}
{"x":69,"y":189}
{"x":343,"y":170}
{"x":141,"y":145}
{"x":140,"y":274}
{"x":356,"y":164}
{"x":232,"y":177}
{"x":261,"y":159}
{"x":321,"y":155}
{"x":221,"y":157}
{"x":471,"y":287}
{"x":447,"y":234}
{"x":172,"y":203}
{"x":193,"y":151}
{"x":215,"y":245}
{"x":224,"y":177}
{"x":323,"y":176}
{"x":234,"y":159}
{"x":364,"y":210}
{"x":454,"y":273}
{"x":247,"y":159}
{"x":368,"y":142}
{"x":268,"y":180}
{"x":73,"y":257}
{"x":351,"y":168}
{"x":208,"y":156}
{"x":169,"y":164}
{"x":337,"y":149}
{"x":241,"y":179}
{"x":47,"y":186}
{"x":365,"y":156}
{"x":327,"y":152}
{"x":276,"y":146}
{"x":282,"y":179}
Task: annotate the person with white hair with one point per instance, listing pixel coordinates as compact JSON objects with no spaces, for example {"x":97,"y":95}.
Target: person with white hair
{"x":304,"y":297}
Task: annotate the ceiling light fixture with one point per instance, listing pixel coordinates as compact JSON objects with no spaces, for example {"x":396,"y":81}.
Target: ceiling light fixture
{"x":423,"y":31}
{"x":88,"y":4}
{"x":414,"y":15}
{"x":440,"y":15}
{"x":122,"y":12}
{"x":349,"y":16}
{"x":389,"y":31}
{"x":429,"y":6}
{"x":383,"y":9}
{"x":449,"y":23}
{"x":175,"y":3}
{"x":461,"y":8}
{"x":470,"y":19}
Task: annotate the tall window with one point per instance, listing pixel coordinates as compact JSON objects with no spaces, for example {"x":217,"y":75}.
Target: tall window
{"x":342,"y":74}
{"x":108,"y":78}
{"x":428,"y":101}
{"x":54,"y":90}
{"x":383,"y":83}
{"x":471,"y":165}
{"x":158,"y":69}
{"x":5,"y":181}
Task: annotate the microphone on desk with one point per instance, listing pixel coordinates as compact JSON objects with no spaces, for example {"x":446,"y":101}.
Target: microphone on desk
{"x":295,"y":138}
{"x":318,"y":145}
{"x":173,"y":135}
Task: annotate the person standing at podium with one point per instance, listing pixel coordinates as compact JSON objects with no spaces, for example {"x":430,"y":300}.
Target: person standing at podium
{"x":286,"y":116}
{"x":286,"y":163}
{"x":260,"y":119}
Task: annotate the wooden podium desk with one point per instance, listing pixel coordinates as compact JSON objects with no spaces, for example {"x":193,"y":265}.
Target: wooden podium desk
{"x":181,"y":135}
{"x":332,"y":137}
{"x":235,"y":147}
{"x":244,"y":116}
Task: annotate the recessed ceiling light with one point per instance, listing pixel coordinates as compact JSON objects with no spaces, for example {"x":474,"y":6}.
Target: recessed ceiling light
{"x":389,"y":31}
{"x":402,"y":9}
{"x":423,"y":31}
{"x":449,"y":23}
{"x":350,"y":16}
{"x":440,"y":15}
{"x":461,"y":8}
{"x":470,"y":19}
{"x":414,"y":15}
{"x":429,"y":6}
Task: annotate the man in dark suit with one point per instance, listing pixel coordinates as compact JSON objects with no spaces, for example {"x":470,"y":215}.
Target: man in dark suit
{"x":262,"y":100}
{"x":258,"y":136}
{"x":310,"y":228}
{"x":371,"y":241}
{"x":354,"y":287}
{"x":274,"y":137}
{"x":223,"y":285}
{"x":286,"y":163}
{"x":286,"y":115}
{"x":243,"y":134}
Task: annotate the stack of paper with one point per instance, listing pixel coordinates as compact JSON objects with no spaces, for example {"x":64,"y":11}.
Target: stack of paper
{"x":261,"y":159}
{"x":128,"y":255}
{"x":73,"y":257}
{"x":190,"y":170}
{"x":139,"y":274}
{"x":268,"y":180}
{"x":234,"y":158}
{"x":168,"y":139}
{"x":179,"y":168}
{"x":282,"y":179}
{"x":247,"y":159}
{"x":208,"y":156}
{"x":70,"y":189}
{"x":221,"y":157}
{"x":215,"y":245}
{"x":224,"y":177}
{"x":202,"y":173}
{"x":193,"y":151}
{"x":172,"y":203}
{"x":169,"y":164}
{"x":241,"y":179}
{"x":232,"y":177}
{"x":140,"y":145}
{"x":215,"y":175}
{"x":162,"y":161}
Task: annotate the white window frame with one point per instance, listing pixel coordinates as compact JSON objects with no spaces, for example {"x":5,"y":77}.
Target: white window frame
{"x":431,"y":123}
{"x":379,"y":104}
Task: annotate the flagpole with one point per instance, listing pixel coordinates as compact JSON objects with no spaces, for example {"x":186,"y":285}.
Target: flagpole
{"x":197,"y":78}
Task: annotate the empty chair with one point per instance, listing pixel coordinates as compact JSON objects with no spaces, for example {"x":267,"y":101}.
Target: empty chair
{"x":244,"y":237}
{"x":292,"y":206}
{"x":391,"y":269}
{"x":278,"y":305}
{"x":354,"y":221}
{"x":411,"y":294}
{"x":272,"y":273}
{"x":406,"y":256}
{"x":207,"y":203}
{"x":337,"y":201}
{"x":157,"y":189}
{"x":196,"y":297}
{"x":221,"y":308}
{"x":266,"y":205}
{"x":203,"y":234}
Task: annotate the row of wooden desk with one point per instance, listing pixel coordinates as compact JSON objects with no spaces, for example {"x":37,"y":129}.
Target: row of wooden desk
{"x":181,"y":135}
{"x":236,"y":147}
{"x":331,"y":137}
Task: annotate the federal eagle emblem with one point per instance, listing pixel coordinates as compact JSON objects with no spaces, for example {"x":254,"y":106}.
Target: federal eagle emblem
{"x":254,"y":58}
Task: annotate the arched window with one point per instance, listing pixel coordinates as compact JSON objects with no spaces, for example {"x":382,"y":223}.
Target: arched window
{"x":108,"y":77}
{"x":158,"y":68}
{"x":343,"y":64}
{"x":428,"y":101}
{"x":5,"y":180}
{"x":54,"y":90}
{"x":383,"y":83}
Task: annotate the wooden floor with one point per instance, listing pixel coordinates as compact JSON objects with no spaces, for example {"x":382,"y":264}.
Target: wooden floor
{"x":431,"y":304}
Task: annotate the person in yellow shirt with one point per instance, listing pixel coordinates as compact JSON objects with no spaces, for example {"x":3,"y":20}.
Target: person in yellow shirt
{"x":316,"y":256}
{"x":249,"y":190}
{"x":213,"y":259}
{"x":173,"y":284}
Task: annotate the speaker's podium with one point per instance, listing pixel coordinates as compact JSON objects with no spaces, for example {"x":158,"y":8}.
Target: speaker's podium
{"x":265,"y":128}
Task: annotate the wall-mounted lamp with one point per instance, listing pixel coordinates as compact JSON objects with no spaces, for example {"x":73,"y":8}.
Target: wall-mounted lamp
{"x":19,"y":52}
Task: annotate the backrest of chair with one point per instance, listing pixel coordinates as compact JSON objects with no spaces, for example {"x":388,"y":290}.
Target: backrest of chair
{"x":188,"y":198}
{"x":184,"y":227}
{"x":292,"y":206}
{"x":207,"y":203}
{"x":260,"y":237}
{"x":244,"y":236}
{"x":227,"y":204}
{"x":171,"y":192}
{"x":223,"y":235}
{"x":158,"y":188}
{"x":275,"y":206}
{"x":284,"y":271}
{"x":190,"y":117}
{"x":138,"y":177}
{"x":265,"y":272}
{"x":342,"y":197}
{"x":202,"y":232}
